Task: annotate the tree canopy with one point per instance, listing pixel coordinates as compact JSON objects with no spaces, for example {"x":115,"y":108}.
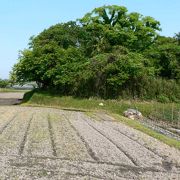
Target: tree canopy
{"x":108,"y":53}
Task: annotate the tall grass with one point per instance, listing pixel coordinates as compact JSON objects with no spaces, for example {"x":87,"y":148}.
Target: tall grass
{"x":162,"y":90}
{"x":169,"y":112}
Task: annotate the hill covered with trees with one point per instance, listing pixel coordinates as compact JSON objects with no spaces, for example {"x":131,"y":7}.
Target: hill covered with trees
{"x":108,"y":53}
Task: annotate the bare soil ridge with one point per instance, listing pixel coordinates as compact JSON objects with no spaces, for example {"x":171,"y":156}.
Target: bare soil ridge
{"x":55,"y":144}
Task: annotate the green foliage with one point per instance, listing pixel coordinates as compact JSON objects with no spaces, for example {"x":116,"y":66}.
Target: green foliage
{"x":4,"y":83}
{"x":177,"y":37}
{"x":110,"y":72}
{"x":108,"y":53}
{"x":163,"y":99}
{"x":165,"y":56}
{"x":112,"y":25}
{"x":152,"y":88}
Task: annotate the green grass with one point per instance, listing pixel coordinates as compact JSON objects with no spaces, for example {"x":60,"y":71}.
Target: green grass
{"x":169,"y":112}
{"x":5,"y":90}
{"x":113,"y":107}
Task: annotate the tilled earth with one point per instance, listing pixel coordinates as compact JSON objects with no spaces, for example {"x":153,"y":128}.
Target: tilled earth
{"x":45,"y":143}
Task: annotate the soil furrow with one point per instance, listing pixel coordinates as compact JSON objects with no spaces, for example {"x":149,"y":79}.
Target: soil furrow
{"x":22,"y":145}
{"x":12,"y":136}
{"x":102,"y":147}
{"x":52,"y":137}
{"x":48,"y":143}
{"x":155,"y":153}
{"x":89,"y":149}
{"x":133,"y":150}
{"x":57,"y":167}
{"x":160,"y":149}
{"x":128,"y":167}
{"x":110,"y":140}
{"x":26,"y":161}
{"x":7,"y":124}
{"x":67,"y":143}
{"x":38,"y":141}
{"x":129,"y":137}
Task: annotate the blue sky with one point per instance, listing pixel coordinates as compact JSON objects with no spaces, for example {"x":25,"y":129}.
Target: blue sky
{"x":21,"y":19}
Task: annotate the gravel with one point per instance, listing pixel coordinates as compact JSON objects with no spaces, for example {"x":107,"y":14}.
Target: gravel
{"x":102,"y":149}
{"x":139,"y":154}
{"x":38,"y":141}
{"x":46,"y":143}
{"x":66,"y":140}
{"x":152,"y":125}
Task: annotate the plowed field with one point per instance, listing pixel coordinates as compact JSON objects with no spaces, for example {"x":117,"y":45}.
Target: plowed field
{"x":45,"y":143}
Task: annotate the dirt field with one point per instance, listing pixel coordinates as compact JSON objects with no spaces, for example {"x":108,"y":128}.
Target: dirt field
{"x":44,"y":143}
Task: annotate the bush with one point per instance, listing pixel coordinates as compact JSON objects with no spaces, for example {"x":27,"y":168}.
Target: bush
{"x":163,"y":99}
{"x":157,"y":88}
{"x":4,"y":83}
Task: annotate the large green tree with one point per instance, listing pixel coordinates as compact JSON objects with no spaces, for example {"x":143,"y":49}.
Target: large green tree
{"x":113,"y":25}
{"x":106,"y":53}
{"x":47,"y":54}
{"x":165,"y":57}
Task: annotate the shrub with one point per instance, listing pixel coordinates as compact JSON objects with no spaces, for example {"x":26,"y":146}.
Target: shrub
{"x":163,"y":99}
{"x":4,"y":83}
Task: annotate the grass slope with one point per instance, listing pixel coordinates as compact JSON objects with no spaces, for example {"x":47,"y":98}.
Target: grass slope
{"x":169,"y":112}
{"x":140,"y":127}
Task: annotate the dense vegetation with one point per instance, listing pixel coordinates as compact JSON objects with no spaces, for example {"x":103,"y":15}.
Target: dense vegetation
{"x":4,"y":83}
{"x":108,"y":53}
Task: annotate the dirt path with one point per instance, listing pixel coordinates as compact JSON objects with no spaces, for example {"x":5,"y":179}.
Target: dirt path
{"x":43,"y":143}
{"x":11,"y":98}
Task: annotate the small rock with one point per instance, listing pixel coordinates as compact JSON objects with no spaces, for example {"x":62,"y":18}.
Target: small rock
{"x":133,"y":114}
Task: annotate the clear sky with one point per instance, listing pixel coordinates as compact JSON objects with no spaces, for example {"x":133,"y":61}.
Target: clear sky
{"x":21,"y":19}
